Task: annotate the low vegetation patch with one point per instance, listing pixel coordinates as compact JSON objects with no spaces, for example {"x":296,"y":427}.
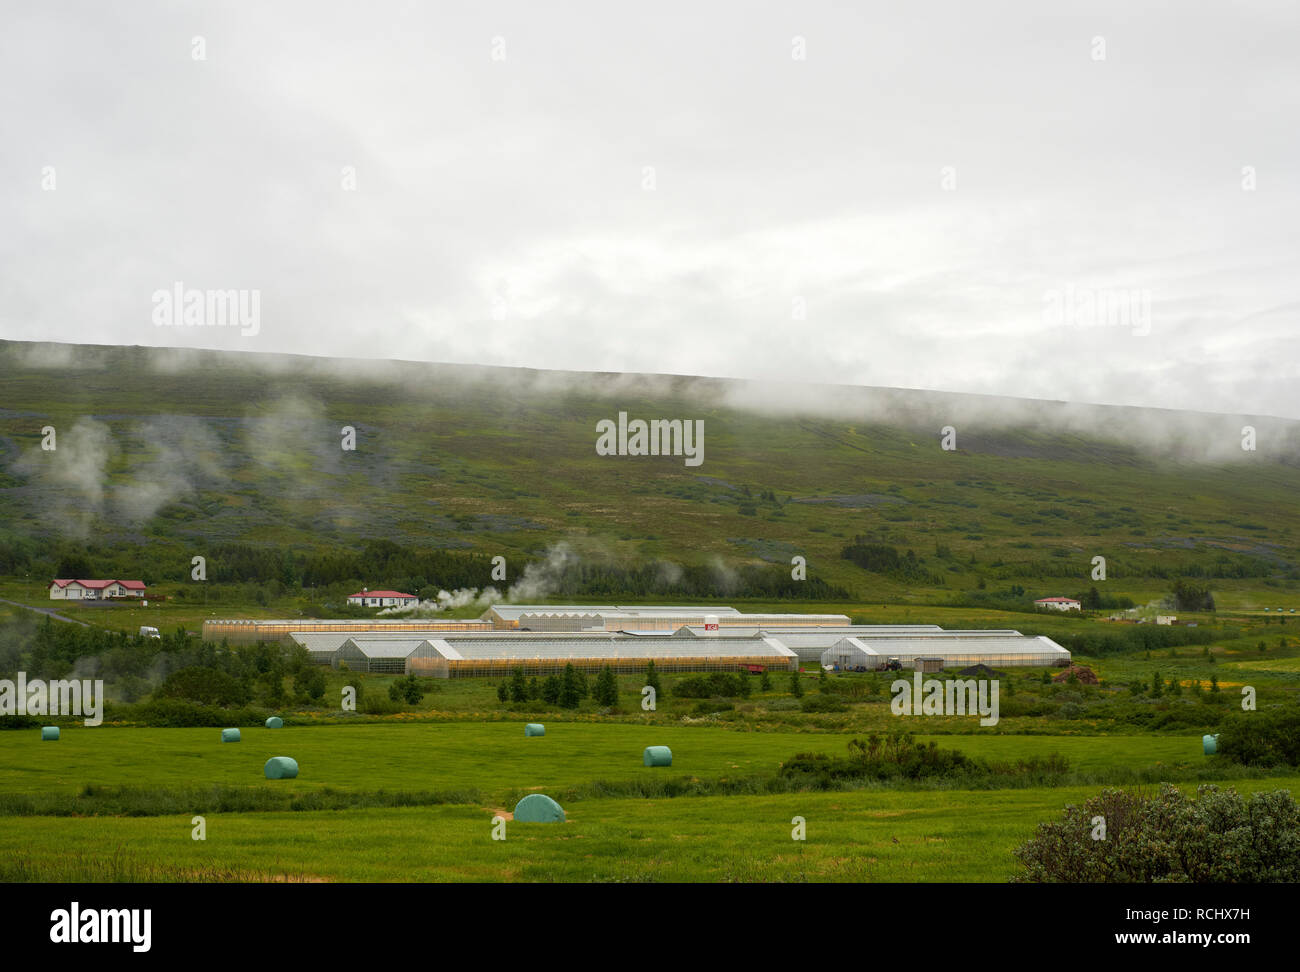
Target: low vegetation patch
{"x":1124,"y":837}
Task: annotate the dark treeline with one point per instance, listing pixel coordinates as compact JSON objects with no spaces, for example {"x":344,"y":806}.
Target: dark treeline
{"x":175,"y":665}
{"x":384,"y":563}
{"x":881,"y":558}
{"x":1137,"y":637}
{"x":1221,"y":567}
{"x":614,"y":580}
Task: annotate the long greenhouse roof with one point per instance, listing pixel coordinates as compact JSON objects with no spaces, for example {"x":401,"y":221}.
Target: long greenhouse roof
{"x":489,"y":649}
{"x":810,"y":636}
{"x":512,"y":612}
{"x":1007,"y":645}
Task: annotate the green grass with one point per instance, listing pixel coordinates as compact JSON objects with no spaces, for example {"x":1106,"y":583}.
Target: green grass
{"x":495,"y":758}
{"x":859,"y":836}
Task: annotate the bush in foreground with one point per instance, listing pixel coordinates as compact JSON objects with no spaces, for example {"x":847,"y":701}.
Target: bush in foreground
{"x":1218,"y":837}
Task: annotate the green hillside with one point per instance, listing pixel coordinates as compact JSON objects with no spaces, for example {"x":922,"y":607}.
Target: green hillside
{"x":164,"y":455}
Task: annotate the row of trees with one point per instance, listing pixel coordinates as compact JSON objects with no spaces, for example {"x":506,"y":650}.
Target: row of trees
{"x":566,"y":690}
{"x":422,"y":571}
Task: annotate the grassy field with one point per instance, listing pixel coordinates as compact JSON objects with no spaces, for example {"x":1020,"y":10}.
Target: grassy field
{"x":494,"y":757}
{"x":860,"y":835}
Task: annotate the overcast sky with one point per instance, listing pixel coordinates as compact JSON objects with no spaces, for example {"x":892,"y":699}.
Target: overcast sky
{"x":928,"y":195}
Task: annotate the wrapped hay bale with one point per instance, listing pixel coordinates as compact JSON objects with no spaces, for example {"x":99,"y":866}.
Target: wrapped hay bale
{"x":536,"y":808}
{"x":230,"y":735}
{"x":657,"y":756}
{"x":49,"y":732}
{"x":281,"y":768}
{"x":534,"y":729}
{"x":275,"y":722}
{"x":1210,"y":744}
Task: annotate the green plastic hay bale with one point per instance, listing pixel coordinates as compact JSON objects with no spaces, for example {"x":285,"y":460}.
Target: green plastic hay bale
{"x":49,"y":732}
{"x":657,"y":756}
{"x":534,"y":729}
{"x":536,"y":808}
{"x":1210,"y":744}
{"x":281,"y":768}
{"x":275,"y":722}
{"x":230,"y":735}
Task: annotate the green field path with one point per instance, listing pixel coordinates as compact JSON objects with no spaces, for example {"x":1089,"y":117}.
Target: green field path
{"x":493,"y":757}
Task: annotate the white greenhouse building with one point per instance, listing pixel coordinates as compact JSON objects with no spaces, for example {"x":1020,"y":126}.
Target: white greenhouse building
{"x":950,"y":649}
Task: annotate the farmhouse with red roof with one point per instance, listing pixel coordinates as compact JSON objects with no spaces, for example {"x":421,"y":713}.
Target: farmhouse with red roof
{"x":368,"y":598}
{"x":1059,"y":603}
{"x":94,"y":590}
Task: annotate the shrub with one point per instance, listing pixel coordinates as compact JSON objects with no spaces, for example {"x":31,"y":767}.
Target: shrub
{"x":606,"y":691}
{"x":572,"y":688}
{"x":713,"y":705}
{"x":724,"y":684}
{"x":19,"y":722}
{"x":551,"y":689}
{"x":376,"y":705}
{"x":180,"y":713}
{"x":822,"y":703}
{"x":408,"y":690}
{"x":1218,"y":838}
{"x":209,"y":686}
{"x":892,"y":756}
{"x":310,"y":682}
{"x":652,"y":677}
{"x":1262,"y":738}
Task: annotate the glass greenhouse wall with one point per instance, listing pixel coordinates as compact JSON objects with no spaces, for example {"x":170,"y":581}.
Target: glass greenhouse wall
{"x":249,"y":632}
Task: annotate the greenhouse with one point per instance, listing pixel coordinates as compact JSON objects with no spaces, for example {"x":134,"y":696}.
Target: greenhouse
{"x":469,"y":657}
{"x":810,"y":643}
{"x":323,"y":645}
{"x":248,"y":632}
{"x":385,"y":656}
{"x":658,"y":618}
{"x":949,"y":648}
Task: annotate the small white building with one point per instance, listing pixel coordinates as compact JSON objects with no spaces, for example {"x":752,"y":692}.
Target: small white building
{"x":1059,"y":603}
{"x":1166,"y":618}
{"x":94,"y":590}
{"x":368,"y":598}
